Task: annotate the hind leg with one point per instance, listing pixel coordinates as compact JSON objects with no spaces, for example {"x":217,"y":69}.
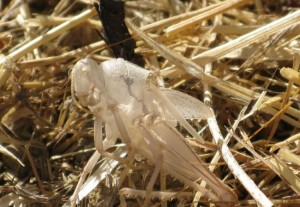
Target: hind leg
{"x":157,"y":154}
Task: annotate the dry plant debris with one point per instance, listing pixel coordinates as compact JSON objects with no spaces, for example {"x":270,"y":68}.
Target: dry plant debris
{"x":239,"y":56}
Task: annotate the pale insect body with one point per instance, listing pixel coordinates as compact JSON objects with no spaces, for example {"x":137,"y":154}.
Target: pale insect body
{"x":142,"y":115}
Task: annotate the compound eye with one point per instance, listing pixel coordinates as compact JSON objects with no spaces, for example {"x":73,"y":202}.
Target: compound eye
{"x":86,"y":79}
{"x":81,"y":81}
{"x":91,"y":99}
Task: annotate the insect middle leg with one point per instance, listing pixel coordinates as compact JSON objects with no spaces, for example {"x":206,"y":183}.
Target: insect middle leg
{"x":98,"y":139}
{"x":126,"y":140}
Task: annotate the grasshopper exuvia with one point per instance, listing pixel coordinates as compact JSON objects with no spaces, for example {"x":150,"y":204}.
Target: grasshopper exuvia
{"x":144,"y":117}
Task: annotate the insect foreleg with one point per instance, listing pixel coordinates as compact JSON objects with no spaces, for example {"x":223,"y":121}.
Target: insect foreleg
{"x":98,"y":138}
{"x":87,"y":170}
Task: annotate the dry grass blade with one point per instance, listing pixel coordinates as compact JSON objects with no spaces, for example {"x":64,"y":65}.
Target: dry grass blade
{"x":237,"y":54}
{"x":51,"y":34}
{"x":261,"y":33}
{"x":193,"y":21}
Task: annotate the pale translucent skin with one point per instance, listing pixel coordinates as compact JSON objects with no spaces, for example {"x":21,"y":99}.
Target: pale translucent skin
{"x":143,"y":116}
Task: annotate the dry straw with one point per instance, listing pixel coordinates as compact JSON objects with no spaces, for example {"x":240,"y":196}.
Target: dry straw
{"x":240,"y":56}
